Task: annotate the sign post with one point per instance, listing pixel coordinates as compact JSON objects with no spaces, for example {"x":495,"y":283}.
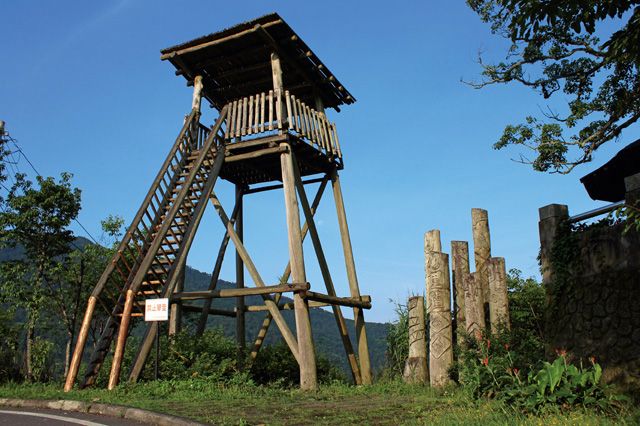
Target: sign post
{"x":156,"y":310}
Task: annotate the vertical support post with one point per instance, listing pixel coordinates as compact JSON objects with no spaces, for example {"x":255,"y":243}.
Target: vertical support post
{"x":157,"y":366}
{"x":632,"y":189}
{"x":306,"y":352}
{"x":551,"y":217}
{"x":459,"y":268}
{"x":415,"y":368}
{"x":80,"y":343}
{"x":439,"y":309}
{"x":276,"y":72}
{"x":240,"y":323}
{"x":482,"y":252}
{"x":175,"y":315}
{"x":474,"y":311}
{"x":196,"y":102}
{"x":499,"y":295}
{"x":354,"y":288}
{"x":114,"y":376}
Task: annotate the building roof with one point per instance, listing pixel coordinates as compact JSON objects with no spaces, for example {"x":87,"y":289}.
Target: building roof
{"x":607,"y":182}
{"x":235,"y":63}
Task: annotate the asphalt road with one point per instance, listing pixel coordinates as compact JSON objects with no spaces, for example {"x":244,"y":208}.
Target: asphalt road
{"x":32,"y":417}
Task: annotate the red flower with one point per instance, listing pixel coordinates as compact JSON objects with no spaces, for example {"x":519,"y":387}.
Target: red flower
{"x":561,"y":352}
{"x":485,"y":361}
{"x":592,"y":359}
{"x":506,"y":346}
{"x":488,"y":343}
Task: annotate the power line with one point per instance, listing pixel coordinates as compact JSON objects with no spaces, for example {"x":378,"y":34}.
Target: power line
{"x":22,"y":153}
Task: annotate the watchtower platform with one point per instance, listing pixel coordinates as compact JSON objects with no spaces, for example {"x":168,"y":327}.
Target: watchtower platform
{"x":271,"y":92}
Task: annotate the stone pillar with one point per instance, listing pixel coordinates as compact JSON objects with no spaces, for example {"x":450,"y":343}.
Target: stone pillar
{"x":481,"y":250}
{"x":431,"y":245}
{"x":473,"y":306}
{"x":498,"y":294}
{"x":551,"y":217}
{"x":632,"y":187}
{"x":459,"y":268}
{"x":439,"y":308}
{"x":415,"y":368}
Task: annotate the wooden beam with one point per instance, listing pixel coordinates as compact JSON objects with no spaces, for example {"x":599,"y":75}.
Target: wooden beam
{"x":123,"y":331}
{"x":326,"y":276}
{"x":279,"y":186}
{"x":257,"y":279}
{"x":82,"y":340}
{"x":363,"y":302}
{"x":266,"y":323}
{"x":210,"y":311}
{"x":306,"y":352}
{"x":240,"y":326}
{"x":172,"y":55}
{"x":284,"y":306}
{"x":255,"y":154}
{"x":237,"y":292}
{"x":215,"y":274}
{"x":358,"y":315}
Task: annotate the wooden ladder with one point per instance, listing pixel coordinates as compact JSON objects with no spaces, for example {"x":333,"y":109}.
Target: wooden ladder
{"x":151,"y":255}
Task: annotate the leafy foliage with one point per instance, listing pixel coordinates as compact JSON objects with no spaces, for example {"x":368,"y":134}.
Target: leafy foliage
{"x":397,"y":343}
{"x":276,"y":365}
{"x":9,"y":346}
{"x":563,"y":385}
{"x":488,"y":370}
{"x":555,"y":48}
{"x":37,"y":219}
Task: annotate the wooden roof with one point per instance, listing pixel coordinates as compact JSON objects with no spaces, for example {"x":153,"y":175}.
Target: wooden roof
{"x":236,"y":62}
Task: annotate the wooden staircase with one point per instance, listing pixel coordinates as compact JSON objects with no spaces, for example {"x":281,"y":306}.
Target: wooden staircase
{"x":151,"y":255}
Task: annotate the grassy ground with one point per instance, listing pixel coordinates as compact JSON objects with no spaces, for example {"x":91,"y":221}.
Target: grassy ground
{"x":381,"y":404}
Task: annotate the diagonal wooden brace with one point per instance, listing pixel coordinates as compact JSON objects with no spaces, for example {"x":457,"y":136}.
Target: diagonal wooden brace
{"x":251,"y":268}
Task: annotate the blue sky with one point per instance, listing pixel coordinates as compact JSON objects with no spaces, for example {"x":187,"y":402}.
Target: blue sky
{"x":83,"y":90}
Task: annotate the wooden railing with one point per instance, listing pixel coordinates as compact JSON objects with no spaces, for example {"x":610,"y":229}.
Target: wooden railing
{"x":271,"y":112}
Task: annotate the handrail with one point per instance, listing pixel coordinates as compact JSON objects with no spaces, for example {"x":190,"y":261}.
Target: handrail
{"x":596,"y":212}
{"x":269,"y":112}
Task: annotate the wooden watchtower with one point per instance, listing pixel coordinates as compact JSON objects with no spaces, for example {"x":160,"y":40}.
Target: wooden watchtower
{"x":271,"y":92}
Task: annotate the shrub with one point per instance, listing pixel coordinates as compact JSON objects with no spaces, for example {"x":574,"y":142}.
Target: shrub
{"x":276,"y":365}
{"x":42,"y":359}
{"x":9,"y":353}
{"x":213,"y":356}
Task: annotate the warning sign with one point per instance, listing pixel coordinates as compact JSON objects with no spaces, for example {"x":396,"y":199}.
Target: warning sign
{"x":156,"y":310}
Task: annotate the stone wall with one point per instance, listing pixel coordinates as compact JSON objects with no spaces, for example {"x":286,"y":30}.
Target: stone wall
{"x":592,"y":277}
{"x":594,"y":306}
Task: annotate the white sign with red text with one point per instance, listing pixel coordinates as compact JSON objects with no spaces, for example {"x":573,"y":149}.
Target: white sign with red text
{"x":156,"y":310}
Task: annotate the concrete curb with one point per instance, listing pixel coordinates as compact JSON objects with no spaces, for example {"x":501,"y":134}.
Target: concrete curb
{"x":120,"y":411}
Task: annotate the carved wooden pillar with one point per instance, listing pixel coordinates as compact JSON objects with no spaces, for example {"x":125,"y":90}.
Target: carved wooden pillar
{"x":415,"y":368}
{"x":459,"y":268}
{"x":439,"y":308}
{"x":474,"y":311}
{"x":498,"y":294}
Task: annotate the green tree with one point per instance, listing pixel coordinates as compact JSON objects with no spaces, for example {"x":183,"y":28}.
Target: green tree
{"x":556,"y":46}
{"x":74,"y":279}
{"x":36,"y":219}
